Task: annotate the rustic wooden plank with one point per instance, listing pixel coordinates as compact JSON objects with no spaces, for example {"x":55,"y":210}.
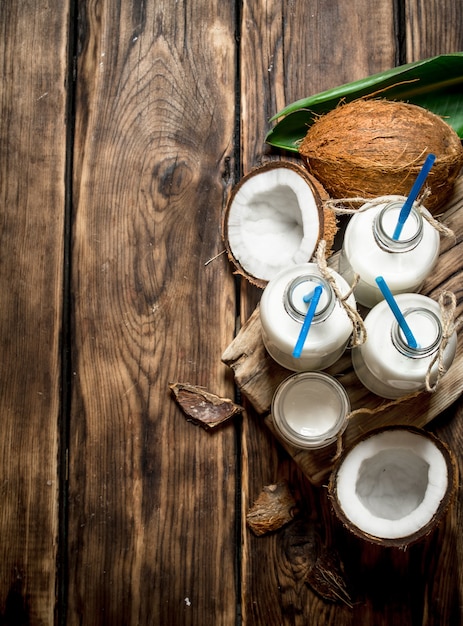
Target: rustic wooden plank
{"x":435,"y":28}
{"x":432,"y":28}
{"x":32,"y":197}
{"x":326,"y":49}
{"x":290,"y":50}
{"x":442,"y":594}
{"x":152,"y":497}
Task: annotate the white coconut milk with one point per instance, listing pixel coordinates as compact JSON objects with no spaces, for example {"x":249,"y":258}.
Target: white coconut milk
{"x":282,"y":313}
{"x":309,"y":409}
{"x":369,"y":251}
{"x":385,"y":364}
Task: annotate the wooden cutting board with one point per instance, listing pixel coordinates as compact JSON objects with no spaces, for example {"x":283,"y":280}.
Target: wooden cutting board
{"x":257,"y":375}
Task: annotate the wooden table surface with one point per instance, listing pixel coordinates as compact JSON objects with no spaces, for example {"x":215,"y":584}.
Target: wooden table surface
{"x":124,"y":126}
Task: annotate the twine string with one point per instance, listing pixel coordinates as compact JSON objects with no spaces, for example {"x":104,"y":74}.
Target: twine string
{"x":338,"y":207}
{"x":359,"y":331}
{"x":379,"y":409}
{"x":447,"y":303}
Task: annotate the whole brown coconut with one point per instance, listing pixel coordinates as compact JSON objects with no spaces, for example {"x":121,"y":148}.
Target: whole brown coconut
{"x":371,"y":148}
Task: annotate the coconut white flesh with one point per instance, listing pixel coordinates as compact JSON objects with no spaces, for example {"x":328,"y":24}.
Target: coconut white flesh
{"x":391,"y":484}
{"x":273,"y":222}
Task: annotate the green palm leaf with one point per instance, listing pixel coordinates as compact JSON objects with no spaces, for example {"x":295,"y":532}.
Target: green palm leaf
{"x":435,"y":84}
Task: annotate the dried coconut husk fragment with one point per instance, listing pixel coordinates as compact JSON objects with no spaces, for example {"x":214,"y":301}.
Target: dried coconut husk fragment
{"x":313,"y":563}
{"x":327,"y":578}
{"x":373,"y":147}
{"x":202,"y":407}
{"x":274,"y":507}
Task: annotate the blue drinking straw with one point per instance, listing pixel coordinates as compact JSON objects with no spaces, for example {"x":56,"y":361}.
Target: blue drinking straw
{"x":397,"y":312}
{"x":308,"y":296}
{"x":307,"y":321}
{"x":407,"y":207}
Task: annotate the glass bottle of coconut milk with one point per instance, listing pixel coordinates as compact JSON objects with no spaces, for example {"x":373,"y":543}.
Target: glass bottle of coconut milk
{"x":386,"y":364}
{"x":283,"y":308}
{"x":369,"y":250}
{"x":309,"y":409}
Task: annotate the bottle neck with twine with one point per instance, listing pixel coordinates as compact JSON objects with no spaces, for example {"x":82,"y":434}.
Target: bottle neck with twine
{"x":359,"y":334}
{"x":338,"y":207}
{"x":447,"y":304}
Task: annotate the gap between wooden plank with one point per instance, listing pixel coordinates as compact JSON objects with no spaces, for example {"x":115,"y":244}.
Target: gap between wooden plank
{"x":66,"y":337}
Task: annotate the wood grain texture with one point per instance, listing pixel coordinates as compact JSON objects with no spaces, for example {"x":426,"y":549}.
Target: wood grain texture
{"x":152,"y":497}
{"x":442,"y":592}
{"x":153,"y":534}
{"x":32,"y":200}
{"x":432,"y":28}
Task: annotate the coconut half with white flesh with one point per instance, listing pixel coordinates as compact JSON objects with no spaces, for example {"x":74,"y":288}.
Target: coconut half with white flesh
{"x":274,"y":219}
{"x":394,"y":486}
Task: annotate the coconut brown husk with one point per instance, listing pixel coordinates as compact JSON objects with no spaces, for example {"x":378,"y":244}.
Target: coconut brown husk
{"x":203,"y":408}
{"x":330,"y":221}
{"x":274,"y":507}
{"x":372,"y":148}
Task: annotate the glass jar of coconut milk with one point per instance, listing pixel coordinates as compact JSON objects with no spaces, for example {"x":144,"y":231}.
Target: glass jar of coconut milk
{"x":310,"y":409}
{"x":385,"y":364}
{"x":369,"y":250}
{"x":283,"y":308}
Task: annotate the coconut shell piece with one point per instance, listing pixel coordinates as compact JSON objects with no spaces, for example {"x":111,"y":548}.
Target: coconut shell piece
{"x":274,"y":218}
{"x":202,"y":407}
{"x":330,"y":221}
{"x":313,"y":563}
{"x":275,"y":506}
{"x":372,"y":147}
{"x":394,"y":486}
{"x":327,"y":578}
